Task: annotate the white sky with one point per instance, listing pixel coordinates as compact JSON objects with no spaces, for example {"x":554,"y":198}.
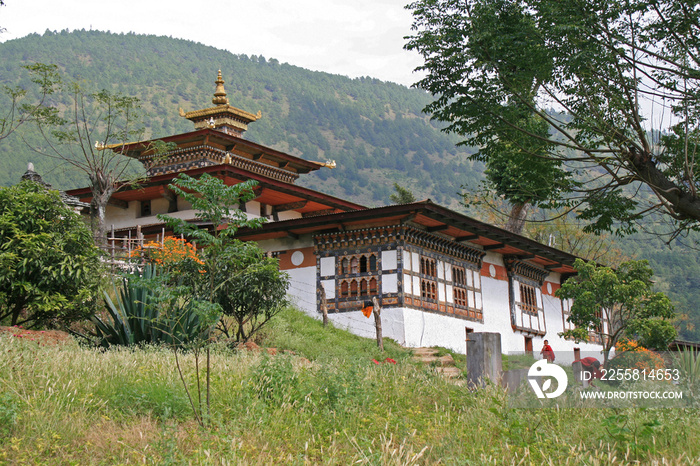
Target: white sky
{"x":348,"y":37}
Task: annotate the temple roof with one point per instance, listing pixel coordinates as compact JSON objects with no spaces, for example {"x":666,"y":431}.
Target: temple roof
{"x":431,"y":218}
{"x":217,"y":139}
{"x":279,"y":195}
{"x":207,"y":147}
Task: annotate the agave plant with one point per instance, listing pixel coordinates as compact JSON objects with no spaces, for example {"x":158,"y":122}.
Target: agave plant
{"x":137,"y":317}
{"x":689,"y":366}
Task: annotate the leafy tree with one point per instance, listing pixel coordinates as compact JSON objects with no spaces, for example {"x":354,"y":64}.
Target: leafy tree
{"x":89,"y":135}
{"x":251,"y":290}
{"x":236,"y":276}
{"x":402,"y":195}
{"x":614,"y":303}
{"x":49,"y":267}
{"x":601,"y":71}
{"x":16,"y":113}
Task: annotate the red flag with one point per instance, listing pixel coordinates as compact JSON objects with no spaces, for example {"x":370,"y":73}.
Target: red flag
{"x":367,"y":309}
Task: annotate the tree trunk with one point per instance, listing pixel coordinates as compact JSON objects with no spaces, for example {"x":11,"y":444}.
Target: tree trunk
{"x":376,"y":310}
{"x":324,"y":307}
{"x":99,"y":215}
{"x":517,"y":217}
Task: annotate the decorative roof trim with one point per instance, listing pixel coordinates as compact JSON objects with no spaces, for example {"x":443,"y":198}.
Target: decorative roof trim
{"x":154,"y":163}
{"x":245,"y":117}
{"x":442,"y":245}
{"x":526,"y":270}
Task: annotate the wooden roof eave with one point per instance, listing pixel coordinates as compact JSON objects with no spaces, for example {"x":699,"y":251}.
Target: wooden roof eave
{"x":291,"y":163}
{"x":233,"y":172}
{"x":553,"y":259}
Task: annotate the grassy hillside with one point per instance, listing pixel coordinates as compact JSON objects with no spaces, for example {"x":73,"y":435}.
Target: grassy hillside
{"x":325,"y":403}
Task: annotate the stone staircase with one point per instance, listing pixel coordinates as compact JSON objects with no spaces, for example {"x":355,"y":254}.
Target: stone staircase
{"x":444,"y":365}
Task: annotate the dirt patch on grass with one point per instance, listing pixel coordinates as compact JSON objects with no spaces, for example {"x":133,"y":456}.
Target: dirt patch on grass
{"x":41,"y":337}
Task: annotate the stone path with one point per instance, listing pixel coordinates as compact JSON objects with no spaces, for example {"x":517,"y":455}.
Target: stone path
{"x":444,"y":365}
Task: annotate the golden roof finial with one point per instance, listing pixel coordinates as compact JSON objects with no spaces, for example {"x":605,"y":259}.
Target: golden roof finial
{"x":220,"y":93}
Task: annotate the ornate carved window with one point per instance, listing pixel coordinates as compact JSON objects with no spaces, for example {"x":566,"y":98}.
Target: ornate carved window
{"x":373,"y":285}
{"x":458,"y":276}
{"x":467,"y":292}
{"x":528,"y":299}
{"x":356,"y":276}
{"x":461,"y":297}
{"x":428,"y":285}
{"x":427,"y":267}
{"x":354,"y":265}
{"x":428,"y":289}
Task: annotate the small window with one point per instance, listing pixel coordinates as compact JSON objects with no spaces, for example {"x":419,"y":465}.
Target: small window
{"x":428,"y":289}
{"x":363,"y":287}
{"x":363,"y":264}
{"x":528,"y":299}
{"x":458,"y":276}
{"x":145,"y":208}
{"x":427,"y":267}
{"x":372,"y":263}
{"x":353,"y":288}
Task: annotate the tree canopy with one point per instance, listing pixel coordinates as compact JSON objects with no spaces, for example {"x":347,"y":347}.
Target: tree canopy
{"x":82,"y":135}
{"x":238,"y":277}
{"x":614,"y":303}
{"x":616,"y":83}
{"x":49,"y":267}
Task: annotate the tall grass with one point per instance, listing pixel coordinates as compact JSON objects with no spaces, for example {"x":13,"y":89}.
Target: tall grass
{"x":325,"y":403}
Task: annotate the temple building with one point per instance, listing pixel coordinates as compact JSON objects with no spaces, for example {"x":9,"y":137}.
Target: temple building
{"x":438,"y":274}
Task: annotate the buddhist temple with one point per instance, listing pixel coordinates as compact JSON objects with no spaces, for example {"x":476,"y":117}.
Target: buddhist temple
{"x":437,"y":274}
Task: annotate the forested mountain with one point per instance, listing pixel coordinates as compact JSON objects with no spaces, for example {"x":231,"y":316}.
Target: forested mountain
{"x":375,"y":131}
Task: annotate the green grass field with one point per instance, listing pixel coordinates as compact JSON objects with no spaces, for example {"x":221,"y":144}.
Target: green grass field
{"x":322,"y":401}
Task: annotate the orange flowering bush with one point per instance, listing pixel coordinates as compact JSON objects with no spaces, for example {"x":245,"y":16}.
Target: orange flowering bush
{"x":173,"y":251}
{"x":629,"y":354}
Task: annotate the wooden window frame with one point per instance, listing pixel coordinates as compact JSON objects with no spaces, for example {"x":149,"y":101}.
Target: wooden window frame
{"x":528,"y":299}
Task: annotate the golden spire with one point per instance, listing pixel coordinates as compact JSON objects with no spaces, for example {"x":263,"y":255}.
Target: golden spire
{"x":220,"y":93}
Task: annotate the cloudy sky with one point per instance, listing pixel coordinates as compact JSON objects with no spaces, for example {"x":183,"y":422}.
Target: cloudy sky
{"x":348,"y":37}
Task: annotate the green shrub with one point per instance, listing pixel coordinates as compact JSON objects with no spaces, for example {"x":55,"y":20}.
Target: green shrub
{"x":140,"y":317}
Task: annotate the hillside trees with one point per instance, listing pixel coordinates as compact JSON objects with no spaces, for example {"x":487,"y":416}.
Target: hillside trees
{"x":611,"y":71}
{"x":49,"y":267}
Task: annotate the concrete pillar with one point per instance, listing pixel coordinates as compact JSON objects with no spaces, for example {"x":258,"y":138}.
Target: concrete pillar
{"x":578,"y":374}
{"x":483,"y":358}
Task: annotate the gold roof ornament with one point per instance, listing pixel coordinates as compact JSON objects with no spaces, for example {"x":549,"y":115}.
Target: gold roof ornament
{"x":223,"y":117}
{"x":220,"y":93}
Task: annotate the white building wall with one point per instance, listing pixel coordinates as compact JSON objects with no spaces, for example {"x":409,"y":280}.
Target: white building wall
{"x":428,"y":329}
{"x":414,"y":328}
{"x":302,"y":289}
{"x":496,"y":306}
{"x":357,"y":323}
{"x":130,"y":217}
